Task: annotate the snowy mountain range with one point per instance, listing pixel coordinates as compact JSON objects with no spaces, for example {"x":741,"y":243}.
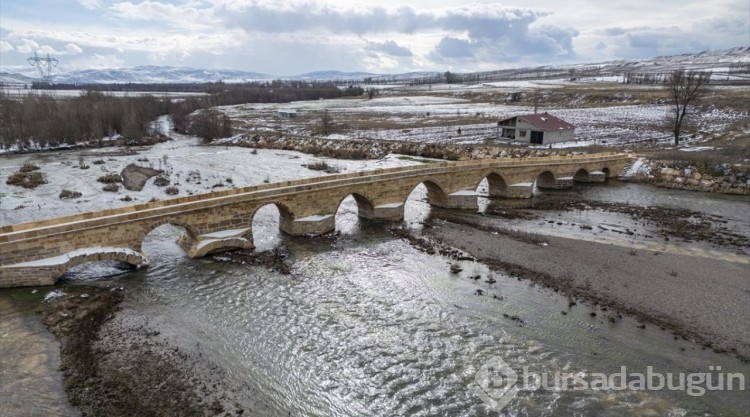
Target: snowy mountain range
{"x":716,"y":61}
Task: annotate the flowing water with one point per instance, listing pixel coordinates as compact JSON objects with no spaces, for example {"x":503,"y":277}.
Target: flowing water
{"x":366,"y":325}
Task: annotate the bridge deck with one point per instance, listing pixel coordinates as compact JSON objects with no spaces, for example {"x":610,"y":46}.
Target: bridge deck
{"x":13,"y":232}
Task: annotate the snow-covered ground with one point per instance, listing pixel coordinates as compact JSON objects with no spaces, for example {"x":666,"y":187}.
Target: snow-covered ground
{"x":197,"y":169}
{"x":436,"y":119}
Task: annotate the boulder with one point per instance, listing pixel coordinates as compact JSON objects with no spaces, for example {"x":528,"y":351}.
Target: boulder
{"x":134,"y":177}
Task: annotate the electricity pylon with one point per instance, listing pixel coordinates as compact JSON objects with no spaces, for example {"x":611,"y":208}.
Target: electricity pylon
{"x":44,"y":65}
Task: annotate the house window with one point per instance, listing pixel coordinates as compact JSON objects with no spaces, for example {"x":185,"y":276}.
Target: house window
{"x":522,"y":133}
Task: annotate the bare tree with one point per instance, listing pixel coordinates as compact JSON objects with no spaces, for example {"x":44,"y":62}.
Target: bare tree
{"x":686,"y":87}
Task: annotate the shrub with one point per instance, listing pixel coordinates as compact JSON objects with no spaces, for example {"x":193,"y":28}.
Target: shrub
{"x":69,"y":194}
{"x":112,"y":187}
{"x":127,"y":198}
{"x":322,"y":166}
{"x":161,"y":181}
{"x":110,"y":178}
{"x":98,"y":162}
{"x":28,"y":167}
{"x":26,"y":179}
{"x":172,"y":190}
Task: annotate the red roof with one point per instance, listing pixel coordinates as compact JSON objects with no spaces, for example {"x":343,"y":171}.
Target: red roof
{"x":546,"y":121}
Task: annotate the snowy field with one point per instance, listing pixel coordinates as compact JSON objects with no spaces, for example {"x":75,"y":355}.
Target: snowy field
{"x":417,"y":115}
{"x":197,"y":169}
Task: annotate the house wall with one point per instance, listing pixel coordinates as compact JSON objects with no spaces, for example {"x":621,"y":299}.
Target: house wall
{"x":552,"y":136}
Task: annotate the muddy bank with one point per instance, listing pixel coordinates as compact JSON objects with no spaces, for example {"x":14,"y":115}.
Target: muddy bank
{"x":30,"y":382}
{"x":115,"y":368}
{"x":700,"y":299}
{"x":670,"y":222}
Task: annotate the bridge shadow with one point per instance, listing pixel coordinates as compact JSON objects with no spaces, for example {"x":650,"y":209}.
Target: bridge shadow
{"x":96,"y":271}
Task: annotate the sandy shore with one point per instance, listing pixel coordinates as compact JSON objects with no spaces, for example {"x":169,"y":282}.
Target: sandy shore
{"x":698,"y":298}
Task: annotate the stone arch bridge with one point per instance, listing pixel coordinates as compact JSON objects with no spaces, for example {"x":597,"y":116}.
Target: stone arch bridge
{"x":38,"y":253}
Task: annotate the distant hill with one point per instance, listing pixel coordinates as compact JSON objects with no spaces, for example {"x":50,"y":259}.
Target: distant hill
{"x":719,"y":62}
{"x":8,"y":78}
{"x":333,"y":75}
{"x":156,"y":75}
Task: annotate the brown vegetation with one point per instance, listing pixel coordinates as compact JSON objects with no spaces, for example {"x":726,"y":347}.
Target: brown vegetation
{"x":110,"y":178}
{"x":27,"y":176}
{"x":65,"y":193}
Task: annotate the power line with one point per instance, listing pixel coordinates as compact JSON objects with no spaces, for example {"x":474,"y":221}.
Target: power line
{"x":44,"y":65}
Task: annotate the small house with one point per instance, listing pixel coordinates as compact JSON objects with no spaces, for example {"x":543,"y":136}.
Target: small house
{"x":536,"y":129}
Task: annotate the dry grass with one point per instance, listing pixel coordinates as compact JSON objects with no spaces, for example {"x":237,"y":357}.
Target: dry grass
{"x":65,"y":193}
{"x":26,"y":179}
{"x":110,"y":178}
{"x":322,"y":166}
{"x":161,"y":181}
{"x":28,"y":167}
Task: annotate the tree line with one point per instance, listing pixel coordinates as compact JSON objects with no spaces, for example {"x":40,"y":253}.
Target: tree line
{"x":37,"y":121}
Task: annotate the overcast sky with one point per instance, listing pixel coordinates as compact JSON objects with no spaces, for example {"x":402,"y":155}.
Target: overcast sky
{"x":290,"y":37}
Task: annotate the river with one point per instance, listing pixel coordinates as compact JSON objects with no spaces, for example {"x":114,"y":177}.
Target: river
{"x":367,"y":325}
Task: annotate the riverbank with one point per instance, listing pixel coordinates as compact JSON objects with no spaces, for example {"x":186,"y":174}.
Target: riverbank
{"x":700,"y":299}
{"x":117,"y":368}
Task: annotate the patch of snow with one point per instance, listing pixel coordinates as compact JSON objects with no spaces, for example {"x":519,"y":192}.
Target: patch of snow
{"x":697,"y":148}
{"x":464,"y":192}
{"x":390,"y":205}
{"x":314,"y":218}
{"x":62,"y":259}
{"x":53,"y":295}
{"x":638,"y":167}
{"x":226,"y":233}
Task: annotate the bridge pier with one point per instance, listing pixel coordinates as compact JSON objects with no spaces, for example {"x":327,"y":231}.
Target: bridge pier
{"x":220,"y":241}
{"x":520,"y":190}
{"x":594,"y":176}
{"x":462,"y":200}
{"x":310,"y":225}
{"x":390,"y":212}
{"x":560,"y":183}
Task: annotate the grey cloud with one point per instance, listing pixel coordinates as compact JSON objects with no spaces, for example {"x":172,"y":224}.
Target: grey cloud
{"x":614,"y":31}
{"x":478,"y":20}
{"x":493,"y":30}
{"x":389,"y":48}
{"x":452,"y":48}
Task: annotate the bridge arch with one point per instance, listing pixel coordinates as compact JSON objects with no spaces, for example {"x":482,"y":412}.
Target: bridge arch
{"x":606,"y":172}
{"x":81,"y":256}
{"x":191,"y":233}
{"x":364,"y":205}
{"x":365,"y":208}
{"x":285,"y":213}
{"x":435,"y":194}
{"x":581,"y":175}
{"x":266,"y":226}
{"x":496,"y":184}
{"x":545,"y":179}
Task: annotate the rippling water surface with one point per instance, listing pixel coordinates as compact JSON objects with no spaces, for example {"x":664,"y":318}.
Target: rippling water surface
{"x":367,"y":325}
